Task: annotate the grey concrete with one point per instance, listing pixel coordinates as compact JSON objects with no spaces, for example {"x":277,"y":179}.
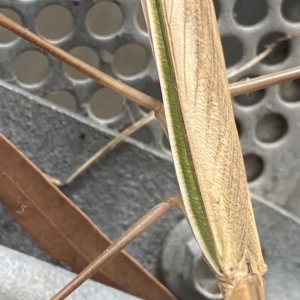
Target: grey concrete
{"x":114,"y":192}
{"x":23,"y":277}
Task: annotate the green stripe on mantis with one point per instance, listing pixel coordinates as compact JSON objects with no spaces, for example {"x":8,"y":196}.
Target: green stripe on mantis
{"x":182,"y":146}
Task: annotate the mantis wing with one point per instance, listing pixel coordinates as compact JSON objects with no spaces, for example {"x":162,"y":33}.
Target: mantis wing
{"x":203,"y":136}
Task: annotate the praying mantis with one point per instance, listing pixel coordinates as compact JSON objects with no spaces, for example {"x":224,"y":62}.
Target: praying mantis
{"x":247,"y":267}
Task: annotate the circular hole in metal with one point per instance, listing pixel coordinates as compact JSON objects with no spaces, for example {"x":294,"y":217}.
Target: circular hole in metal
{"x":104,"y":19}
{"x":254,"y":166}
{"x":271,"y":128}
{"x":54,"y":22}
{"x":106,"y":104}
{"x":238,"y":127}
{"x":144,"y":110}
{"x":62,"y":98}
{"x":87,"y":55}
{"x":31,"y":67}
{"x":290,"y":10}
{"x":290,"y":91}
{"x":233,"y":50}
{"x":249,"y":13}
{"x":143,"y":135}
{"x":250,"y":98}
{"x":166,"y":143}
{"x":152,"y":88}
{"x":141,"y":20}
{"x":7,"y":36}
{"x":217,"y":8}
{"x":279,"y":53}
{"x":130,"y":60}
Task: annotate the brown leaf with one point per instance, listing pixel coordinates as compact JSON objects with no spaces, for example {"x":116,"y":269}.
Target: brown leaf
{"x":62,"y":230}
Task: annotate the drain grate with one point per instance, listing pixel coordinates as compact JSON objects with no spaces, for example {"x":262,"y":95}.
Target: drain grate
{"x":111,"y":35}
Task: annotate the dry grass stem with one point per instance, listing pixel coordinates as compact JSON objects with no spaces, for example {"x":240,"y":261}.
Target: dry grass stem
{"x":133,"y":232}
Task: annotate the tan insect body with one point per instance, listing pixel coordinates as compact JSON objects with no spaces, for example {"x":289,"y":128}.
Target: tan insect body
{"x":201,"y":82}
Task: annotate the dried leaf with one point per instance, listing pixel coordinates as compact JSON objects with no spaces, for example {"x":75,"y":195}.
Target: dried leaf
{"x":62,"y":230}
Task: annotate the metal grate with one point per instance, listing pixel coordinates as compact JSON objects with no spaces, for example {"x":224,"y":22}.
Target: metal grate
{"x":111,"y":35}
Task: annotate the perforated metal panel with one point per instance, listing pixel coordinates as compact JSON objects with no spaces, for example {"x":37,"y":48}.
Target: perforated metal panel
{"x":111,"y":35}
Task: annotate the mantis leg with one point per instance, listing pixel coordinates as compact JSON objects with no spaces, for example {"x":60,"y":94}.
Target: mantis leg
{"x":108,"y":147}
{"x":133,"y":232}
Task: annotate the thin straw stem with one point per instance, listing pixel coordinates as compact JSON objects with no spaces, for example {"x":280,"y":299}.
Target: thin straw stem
{"x":133,"y":232}
{"x":108,"y":147}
